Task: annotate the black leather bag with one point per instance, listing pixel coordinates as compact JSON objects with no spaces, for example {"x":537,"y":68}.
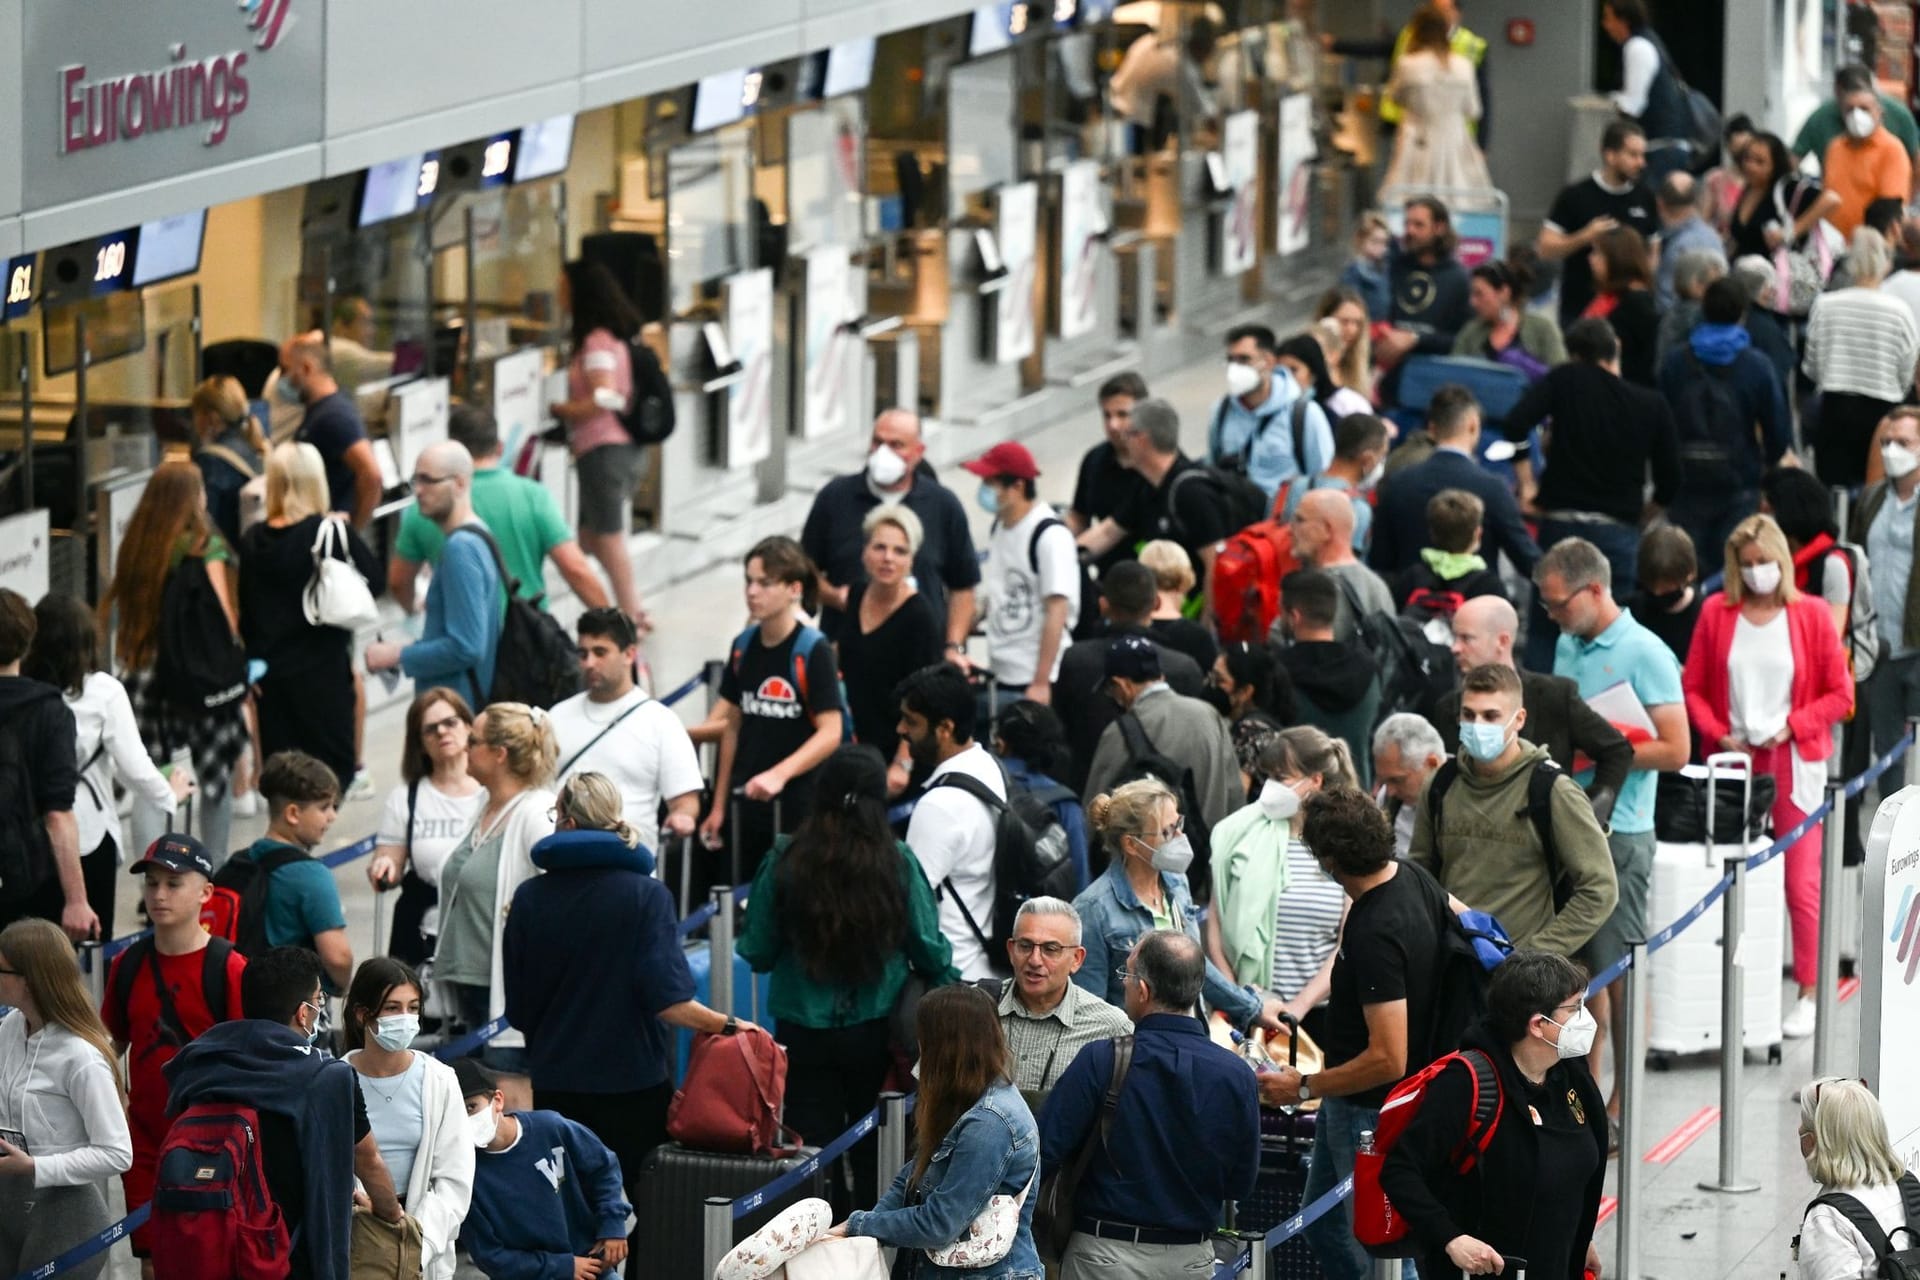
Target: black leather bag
{"x":1053,"y":1215}
{"x":1680,"y":808}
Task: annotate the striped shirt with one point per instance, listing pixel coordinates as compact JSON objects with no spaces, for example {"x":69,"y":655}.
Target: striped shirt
{"x":1306,"y":925}
{"x":1042,"y":1046}
{"x":1862,"y":342}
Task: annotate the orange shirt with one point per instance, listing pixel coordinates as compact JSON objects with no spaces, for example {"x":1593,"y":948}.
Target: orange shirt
{"x":1862,"y":173}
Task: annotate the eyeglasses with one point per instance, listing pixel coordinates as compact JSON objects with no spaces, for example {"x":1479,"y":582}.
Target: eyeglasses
{"x":1128,"y":975}
{"x":1051,"y":950}
{"x":1558,"y":606}
{"x":434,"y":728}
{"x":9,"y":973}
{"x":421,"y":480}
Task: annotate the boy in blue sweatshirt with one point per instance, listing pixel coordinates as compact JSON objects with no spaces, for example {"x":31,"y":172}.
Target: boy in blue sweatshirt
{"x":547,"y":1198}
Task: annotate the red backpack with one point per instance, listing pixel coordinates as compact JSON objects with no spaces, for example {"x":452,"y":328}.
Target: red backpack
{"x":1247,"y":572}
{"x":1376,"y":1224}
{"x":733,"y":1096}
{"x":213,"y":1218}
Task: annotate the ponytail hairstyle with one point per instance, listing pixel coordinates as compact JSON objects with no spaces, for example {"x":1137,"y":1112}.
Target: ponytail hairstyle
{"x":223,"y":400}
{"x":1132,"y":809}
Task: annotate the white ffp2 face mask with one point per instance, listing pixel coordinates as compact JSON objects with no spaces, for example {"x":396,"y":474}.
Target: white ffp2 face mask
{"x":1898,"y":460}
{"x":1278,"y":801}
{"x":1860,"y":122}
{"x":1761,"y":579}
{"x":1576,"y":1034}
{"x":1242,"y":379}
{"x":482,"y":1125}
{"x":885,"y":467}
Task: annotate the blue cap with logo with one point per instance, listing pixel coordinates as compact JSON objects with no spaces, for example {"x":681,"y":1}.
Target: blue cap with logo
{"x":176,"y":851}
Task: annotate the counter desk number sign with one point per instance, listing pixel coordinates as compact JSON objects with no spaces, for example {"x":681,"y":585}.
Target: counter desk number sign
{"x":19,"y":288}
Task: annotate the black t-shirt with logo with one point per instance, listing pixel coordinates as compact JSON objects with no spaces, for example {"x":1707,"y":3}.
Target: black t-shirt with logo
{"x":776,"y":716}
{"x":1580,"y":204}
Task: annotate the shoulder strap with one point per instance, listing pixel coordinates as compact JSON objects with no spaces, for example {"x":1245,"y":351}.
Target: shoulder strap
{"x":806,"y":638}
{"x":213,"y":977}
{"x":1135,"y":733}
{"x":1910,"y":1200}
{"x":1863,"y":1221}
{"x":973,"y":926}
{"x":1122,"y":1064}
{"x":499,"y":563}
{"x":413,"y":803}
{"x":1300,"y":431}
{"x":740,"y":643}
{"x":231,"y":458}
{"x":1033,"y":544}
{"x":127,"y":972}
{"x":1489,"y":1102}
{"x":974,"y":787}
{"x":565,"y":768}
{"x":170,"y":1025}
{"x":1546,"y":774}
{"x":1436,"y":793}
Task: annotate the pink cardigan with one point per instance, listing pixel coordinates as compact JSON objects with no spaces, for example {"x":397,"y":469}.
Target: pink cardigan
{"x":1822,"y":690}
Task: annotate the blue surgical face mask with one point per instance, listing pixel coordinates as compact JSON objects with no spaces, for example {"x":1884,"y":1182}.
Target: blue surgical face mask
{"x":989,"y":499}
{"x":1484,"y":742}
{"x":287,"y":391}
{"x":396,"y":1031}
{"x":319,"y":1020}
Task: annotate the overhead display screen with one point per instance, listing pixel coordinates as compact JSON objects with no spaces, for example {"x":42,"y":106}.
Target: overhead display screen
{"x":544,"y":149}
{"x":849,"y":68}
{"x":391,"y":190}
{"x":168,"y":248}
{"x":720,"y":99}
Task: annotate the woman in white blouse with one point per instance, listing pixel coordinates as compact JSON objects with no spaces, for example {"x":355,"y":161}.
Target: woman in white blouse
{"x":63,"y":1104}
{"x":413,"y":1103}
{"x":425,"y":817}
{"x":107,"y":745}
{"x":1843,"y":1139}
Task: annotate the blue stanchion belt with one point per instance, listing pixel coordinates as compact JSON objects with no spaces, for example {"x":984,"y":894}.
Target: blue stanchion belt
{"x":94,"y":1245}
{"x":697,"y":919}
{"x":1290,"y":1228}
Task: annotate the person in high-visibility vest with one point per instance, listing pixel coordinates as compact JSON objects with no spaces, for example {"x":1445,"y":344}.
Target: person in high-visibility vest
{"x":1463,"y":42}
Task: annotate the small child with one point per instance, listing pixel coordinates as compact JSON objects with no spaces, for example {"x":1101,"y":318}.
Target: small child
{"x":161,"y":993}
{"x":547,"y":1196}
{"x":1366,"y":271}
{"x":303,"y":904}
{"x":1452,"y":570}
{"x":1667,"y":601}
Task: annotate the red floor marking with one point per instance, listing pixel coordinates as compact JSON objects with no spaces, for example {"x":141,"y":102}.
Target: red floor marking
{"x":1849,"y":988}
{"x":1685,"y":1136}
{"x":1607,"y":1205}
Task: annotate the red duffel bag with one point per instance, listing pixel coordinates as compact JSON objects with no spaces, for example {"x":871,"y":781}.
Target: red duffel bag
{"x":733,"y":1096}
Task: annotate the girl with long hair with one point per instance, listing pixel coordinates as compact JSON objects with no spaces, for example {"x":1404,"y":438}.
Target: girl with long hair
{"x":779,"y":711}
{"x":106,"y":743}
{"x":1342,"y":326}
{"x":228,"y":447}
{"x":424,"y":818}
{"x":1779,"y":205}
{"x":413,"y":1103}
{"x":1622,"y":269}
{"x":1440,"y":97}
{"x":1305,"y":357}
{"x":839,"y":959}
{"x":608,"y":462}
{"x":305,"y":701}
{"x":975,"y":1139}
{"x":63,"y":1104}
{"x":170,"y":533}
{"x":512,"y":754}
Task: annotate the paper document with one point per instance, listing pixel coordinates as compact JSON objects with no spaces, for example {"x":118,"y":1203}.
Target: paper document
{"x":1621,"y":707}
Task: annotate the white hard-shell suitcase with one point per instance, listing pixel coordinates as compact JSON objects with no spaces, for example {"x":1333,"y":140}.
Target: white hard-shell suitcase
{"x":1684,"y":976}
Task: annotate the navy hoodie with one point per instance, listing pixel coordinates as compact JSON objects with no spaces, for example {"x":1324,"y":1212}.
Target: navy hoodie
{"x":543,"y":1201}
{"x":270,"y":1067}
{"x":591,"y":955}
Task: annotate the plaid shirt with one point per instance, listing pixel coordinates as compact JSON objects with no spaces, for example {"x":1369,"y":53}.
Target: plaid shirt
{"x":1042,"y":1045}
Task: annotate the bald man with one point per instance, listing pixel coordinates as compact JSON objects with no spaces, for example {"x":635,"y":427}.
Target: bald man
{"x":332,"y":425}
{"x":1557,"y":717}
{"x":467,"y":601}
{"x":1322,"y":524}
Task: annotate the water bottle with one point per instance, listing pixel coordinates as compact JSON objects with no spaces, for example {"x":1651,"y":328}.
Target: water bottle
{"x":1366,"y":1142}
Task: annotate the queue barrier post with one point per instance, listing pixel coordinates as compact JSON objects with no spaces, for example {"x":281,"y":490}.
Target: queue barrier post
{"x":891,"y":1144}
{"x":716,"y":1232}
{"x":1632,"y":1068}
{"x":1733,"y":1039}
{"x":1382,"y":1269}
{"x":1913,"y":753}
{"x":1257,"y":1257}
{"x":94,"y":962}
{"x":720,"y":949}
{"x":1826,"y":998}
{"x":1842,"y":498}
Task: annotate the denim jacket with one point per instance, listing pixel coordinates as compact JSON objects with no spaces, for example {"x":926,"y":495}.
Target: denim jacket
{"x":993,"y":1149}
{"x":1112,"y":919}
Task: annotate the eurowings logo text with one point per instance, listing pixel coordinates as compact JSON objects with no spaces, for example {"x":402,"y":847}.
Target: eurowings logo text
{"x":1906,"y":932}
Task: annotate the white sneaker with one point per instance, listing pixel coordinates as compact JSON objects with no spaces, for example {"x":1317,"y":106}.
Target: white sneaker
{"x":247,"y":805}
{"x":361,"y":788}
{"x":1798,"y":1024}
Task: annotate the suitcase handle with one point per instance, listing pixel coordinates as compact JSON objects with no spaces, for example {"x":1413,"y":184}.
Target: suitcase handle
{"x":1733,"y":764}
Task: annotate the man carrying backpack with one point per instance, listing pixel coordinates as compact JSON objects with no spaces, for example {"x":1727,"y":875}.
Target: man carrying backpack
{"x":285,"y":898}
{"x":261,"y":1075}
{"x":1508,"y":833}
{"x":40,"y":872}
{"x":952,"y":831}
{"x":467,"y":600}
{"x":1721,"y":389}
{"x":1264,"y":426}
{"x":1033,"y":575}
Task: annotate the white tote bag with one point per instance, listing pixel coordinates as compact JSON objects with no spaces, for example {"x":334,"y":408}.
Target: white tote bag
{"x":336,"y":595}
{"x":848,"y":1258}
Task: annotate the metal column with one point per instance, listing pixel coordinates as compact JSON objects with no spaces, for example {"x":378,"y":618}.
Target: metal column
{"x":1826,"y":996}
{"x":716,"y":1232}
{"x":1632,"y":1069}
{"x":720,"y":950}
{"x":1733,"y":1039}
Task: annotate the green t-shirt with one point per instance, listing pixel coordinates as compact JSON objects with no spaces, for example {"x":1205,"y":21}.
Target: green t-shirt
{"x":1824,"y":125}
{"x":522,"y":515}
{"x":472,"y":879}
{"x":302,"y":900}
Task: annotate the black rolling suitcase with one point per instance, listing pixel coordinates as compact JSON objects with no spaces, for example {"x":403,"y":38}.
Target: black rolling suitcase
{"x":670,"y":1199}
{"x":1286,"y":1140}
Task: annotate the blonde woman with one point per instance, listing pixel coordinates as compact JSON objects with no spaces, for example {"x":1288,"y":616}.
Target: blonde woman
{"x":1765,"y":675}
{"x":889,"y":633}
{"x":1145,"y":888}
{"x":63,"y":1110}
{"x":512,"y":754}
{"x":1173,"y":581}
{"x":305,"y":700}
{"x":1862,"y":1181}
{"x":228,"y":447}
{"x":1341,"y":324}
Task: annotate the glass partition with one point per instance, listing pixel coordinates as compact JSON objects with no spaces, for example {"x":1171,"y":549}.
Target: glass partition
{"x":709,"y":190}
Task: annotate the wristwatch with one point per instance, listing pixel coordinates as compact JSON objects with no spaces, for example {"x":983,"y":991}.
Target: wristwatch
{"x":1306,"y":1087}
{"x":733,"y":1025}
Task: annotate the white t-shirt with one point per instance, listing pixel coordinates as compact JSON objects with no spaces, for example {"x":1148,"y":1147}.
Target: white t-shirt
{"x":1017,"y":594}
{"x":1760,"y":678}
{"x":951,"y":833}
{"x":440,"y":822}
{"x":1831,"y":1248}
{"x":648,"y":755}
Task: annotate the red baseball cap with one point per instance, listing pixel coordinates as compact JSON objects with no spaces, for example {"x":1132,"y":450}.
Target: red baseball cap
{"x":1008,"y":458}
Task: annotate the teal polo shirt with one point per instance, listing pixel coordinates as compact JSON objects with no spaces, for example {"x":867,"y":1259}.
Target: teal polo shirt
{"x":520,"y":513}
{"x":1624,"y":651}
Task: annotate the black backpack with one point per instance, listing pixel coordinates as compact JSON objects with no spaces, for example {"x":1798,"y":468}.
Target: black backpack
{"x":1539,"y":811}
{"x":250,"y":880}
{"x":1460,"y":980}
{"x":1715,"y":432}
{"x":649,"y":415}
{"x":1144,"y":760}
{"x":1415,"y":673}
{"x":1893,"y":1264}
{"x":213,"y":985}
{"x":1233,"y":492}
{"x":26,"y":854}
{"x":199,"y":667}
{"x":1031,"y":859}
{"x":536,"y":662}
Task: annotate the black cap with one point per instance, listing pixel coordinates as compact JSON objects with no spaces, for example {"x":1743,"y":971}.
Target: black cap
{"x":176,"y":852}
{"x":1132,"y":658}
{"x":475,"y":1077}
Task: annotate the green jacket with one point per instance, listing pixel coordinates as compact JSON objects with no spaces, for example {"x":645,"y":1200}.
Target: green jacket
{"x":796,"y":998}
{"x":1539,"y":337}
{"x":1249,"y":857}
{"x":1490,"y":856}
